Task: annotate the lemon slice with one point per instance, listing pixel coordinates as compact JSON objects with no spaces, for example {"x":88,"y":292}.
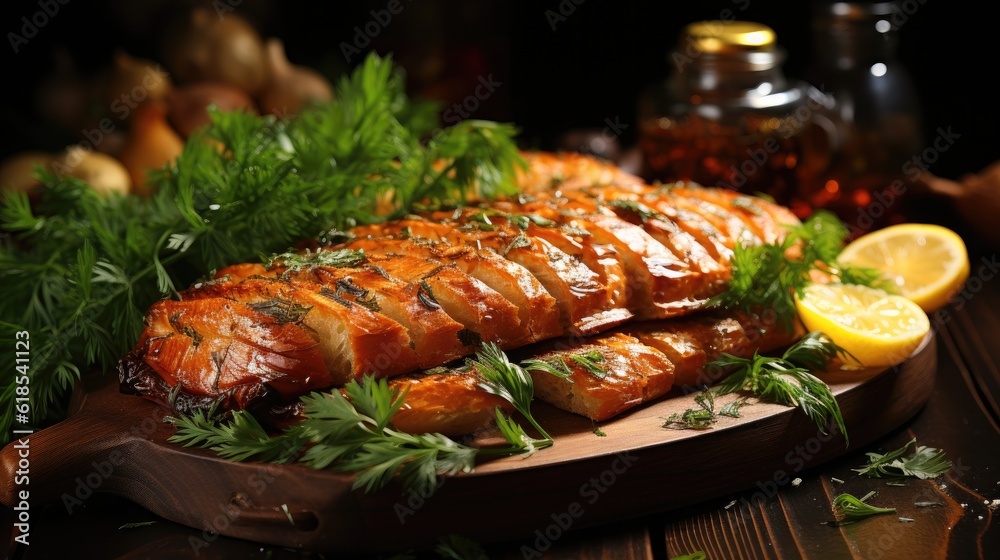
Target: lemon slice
{"x":876,"y":327}
{"x":928,"y":264}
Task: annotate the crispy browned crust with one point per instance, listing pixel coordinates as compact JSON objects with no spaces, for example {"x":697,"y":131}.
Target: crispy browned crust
{"x":450,"y":403}
{"x":353,"y":339}
{"x":633,"y":373}
{"x":214,"y":346}
{"x":537,"y":311}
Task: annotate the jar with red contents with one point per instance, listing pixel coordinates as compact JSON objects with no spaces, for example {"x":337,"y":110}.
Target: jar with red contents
{"x":728,"y":117}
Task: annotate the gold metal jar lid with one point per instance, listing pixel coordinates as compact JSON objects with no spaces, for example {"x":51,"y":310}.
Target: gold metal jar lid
{"x":728,"y":37}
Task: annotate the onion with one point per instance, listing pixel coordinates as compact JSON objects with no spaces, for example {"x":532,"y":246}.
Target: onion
{"x":17,"y":172}
{"x":211,"y":49}
{"x":152,"y":144}
{"x":132,"y":81}
{"x":102,"y":172}
{"x":187,"y":106}
{"x":290,"y":86}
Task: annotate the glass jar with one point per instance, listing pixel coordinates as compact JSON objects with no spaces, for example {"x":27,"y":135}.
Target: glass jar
{"x":854,"y":60}
{"x":729,"y":117}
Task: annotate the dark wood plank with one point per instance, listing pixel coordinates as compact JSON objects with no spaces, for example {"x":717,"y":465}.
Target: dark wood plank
{"x":617,"y":541}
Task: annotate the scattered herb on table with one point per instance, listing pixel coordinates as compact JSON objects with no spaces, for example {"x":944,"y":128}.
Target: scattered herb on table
{"x":457,"y":547}
{"x":924,"y":463}
{"x":850,"y":509}
{"x":697,"y":555}
{"x":136,"y":525}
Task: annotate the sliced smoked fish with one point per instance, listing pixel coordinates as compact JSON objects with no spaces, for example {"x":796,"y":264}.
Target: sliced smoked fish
{"x":449,"y":403}
{"x":537,"y":310}
{"x":585,"y":305}
{"x":629,"y":373}
{"x":354,"y":339}
{"x":227,"y":350}
{"x":486,"y":315}
{"x":434,"y":336}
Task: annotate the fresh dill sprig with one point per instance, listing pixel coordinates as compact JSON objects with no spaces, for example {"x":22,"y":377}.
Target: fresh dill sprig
{"x":924,"y":463}
{"x":80,"y":270}
{"x":696,"y":555}
{"x":787,"y":380}
{"x":849,"y":509}
{"x":733,"y":409}
{"x":136,"y":525}
{"x":768,"y":276}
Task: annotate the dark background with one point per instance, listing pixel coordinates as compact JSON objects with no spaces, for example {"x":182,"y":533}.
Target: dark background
{"x":589,"y":69}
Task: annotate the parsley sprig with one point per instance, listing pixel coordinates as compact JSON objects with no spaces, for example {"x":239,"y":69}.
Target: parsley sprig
{"x":925,"y":462}
{"x":349,"y":434}
{"x":80,"y":270}
{"x":767,"y":276}
{"x":352,"y":431}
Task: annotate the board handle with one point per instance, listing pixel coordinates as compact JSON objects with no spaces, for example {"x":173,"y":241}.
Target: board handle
{"x":74,"y":456}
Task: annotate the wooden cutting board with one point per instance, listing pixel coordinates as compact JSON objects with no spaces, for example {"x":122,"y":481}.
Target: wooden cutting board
{"x":117,"y":444}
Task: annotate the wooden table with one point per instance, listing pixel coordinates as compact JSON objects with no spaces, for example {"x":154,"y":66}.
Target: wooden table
{"x":962,"y":418}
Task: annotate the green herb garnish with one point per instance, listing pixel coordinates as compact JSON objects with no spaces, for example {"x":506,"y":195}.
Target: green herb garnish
{"x":849,"y":509}
{"x":768,"y":276}
{"x":339,"y":258}
{"x":351,"y":434}
{"x":700,"y":418}
{"x":457,"y":547}
{"x":80,"y":270}
{"x":354,"y":433}
{"x":924,"y":463}
{"x":513,"y":383}
{"x":696,"y":555}
{"x":786,"y":380}
{"x":136,"y":525}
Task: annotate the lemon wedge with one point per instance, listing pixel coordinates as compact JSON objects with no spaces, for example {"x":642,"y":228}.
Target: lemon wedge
{"x":876,"y":327}
{"x":928,"y":264}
